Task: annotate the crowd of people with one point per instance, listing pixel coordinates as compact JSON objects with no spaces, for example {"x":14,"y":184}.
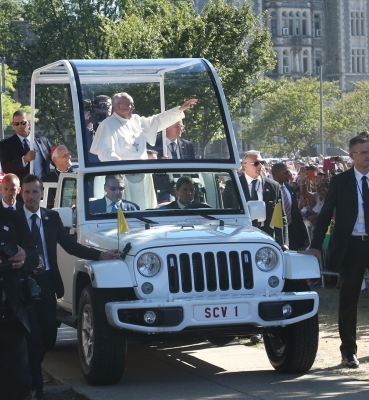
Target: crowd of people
{"x":311,"y":192}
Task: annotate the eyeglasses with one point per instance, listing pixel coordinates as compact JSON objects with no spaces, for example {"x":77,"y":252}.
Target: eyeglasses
{"x":363,"y":153}
{"x":114,"y":188}
{"x":285,"y":172}
{"x":255,"y":163}
{"x":130,"y":105}
{"x":19,"y":123}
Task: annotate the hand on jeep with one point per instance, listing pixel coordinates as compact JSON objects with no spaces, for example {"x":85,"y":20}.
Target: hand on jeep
{"x":109,"y":254}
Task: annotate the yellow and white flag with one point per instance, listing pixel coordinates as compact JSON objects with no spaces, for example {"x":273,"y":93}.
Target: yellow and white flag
{"x":277,"y":218}
{"x":122,"y":223}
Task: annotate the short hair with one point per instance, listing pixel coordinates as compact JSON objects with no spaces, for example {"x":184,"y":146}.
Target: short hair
{"x":149,"y":151}
{"x":364,"y":134}
{"x":358,"y":139}
{"x":110,"y":177}
{"x":118,"y":96}
{"x":101,"y":97}
{"x":20,"y":113}
{"x":278,"y":167}
{"x":55,"y":153}
{"x":183,"y":180}
{"x":32,"y":178}
{"x":10,"y":178}
{"x":250,"y":153}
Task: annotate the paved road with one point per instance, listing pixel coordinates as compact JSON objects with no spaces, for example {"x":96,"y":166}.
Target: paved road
{"x":199,"y":371}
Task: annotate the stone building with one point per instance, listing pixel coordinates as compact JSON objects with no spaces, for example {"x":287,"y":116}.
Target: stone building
{"x":308,"y":34}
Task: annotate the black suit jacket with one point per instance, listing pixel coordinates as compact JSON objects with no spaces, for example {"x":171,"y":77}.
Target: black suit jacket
{"x":12,"y":151}
{"x":55,"y":233}
{"x":271,"y":196}
{"x":16,"y":206}
{"x":14,"y":228}
{"x":297,"y":227}
{"x":186,"y":149}
{"x":99,"y":206}
{"x":342,"y":198}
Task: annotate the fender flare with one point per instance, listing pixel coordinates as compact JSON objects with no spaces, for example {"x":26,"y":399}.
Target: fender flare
{"x":107,"y":273}
{"x":300,"y":266}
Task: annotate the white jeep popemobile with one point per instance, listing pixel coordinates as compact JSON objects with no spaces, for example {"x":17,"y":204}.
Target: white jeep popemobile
{"x":201,"y":272}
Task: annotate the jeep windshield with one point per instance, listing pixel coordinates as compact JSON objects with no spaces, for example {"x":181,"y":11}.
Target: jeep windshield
{"x":158,"y":193}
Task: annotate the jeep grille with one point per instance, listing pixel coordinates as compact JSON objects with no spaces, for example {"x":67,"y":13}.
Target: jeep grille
{"x":201,"y":272}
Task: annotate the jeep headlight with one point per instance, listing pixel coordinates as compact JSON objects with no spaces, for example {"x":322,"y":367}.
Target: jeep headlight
{"x":148,"y":264}
{"x":266,"y":259}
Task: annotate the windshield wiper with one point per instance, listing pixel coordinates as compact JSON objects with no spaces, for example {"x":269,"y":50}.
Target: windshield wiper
{"x":147,"y":222}
{"x":211,"y":218}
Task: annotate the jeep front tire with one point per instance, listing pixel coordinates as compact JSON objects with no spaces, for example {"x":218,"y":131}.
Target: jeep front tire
{"x":102,"y":349}
{"x":293,"y":349}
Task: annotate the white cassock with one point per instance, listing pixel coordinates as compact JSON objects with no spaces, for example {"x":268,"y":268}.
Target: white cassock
{"x":139,"y":188}
{"x":118,"y":138}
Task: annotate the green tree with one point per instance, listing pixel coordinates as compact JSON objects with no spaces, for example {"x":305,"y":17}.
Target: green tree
{"x":232,"y":39}
{"x":10,"y":10}
{"x":354,"y":107}
{"x":9,"y":105}
{"x":290,"y":117}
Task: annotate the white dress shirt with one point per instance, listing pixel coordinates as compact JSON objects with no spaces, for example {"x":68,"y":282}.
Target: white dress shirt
{"x":359,"y":228}
{"x":169,"y":147}
{"x":258,"y":185}
{"x":37,"y":162}
{"x":42,"y":233}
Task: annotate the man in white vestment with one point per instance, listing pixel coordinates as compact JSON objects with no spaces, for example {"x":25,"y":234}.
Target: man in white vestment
{"x":123,"y":135}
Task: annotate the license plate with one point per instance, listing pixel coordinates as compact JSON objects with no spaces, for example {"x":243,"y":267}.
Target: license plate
{"x":219,"y":312}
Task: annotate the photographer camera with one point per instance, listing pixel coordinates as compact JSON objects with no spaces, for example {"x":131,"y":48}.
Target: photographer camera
{"x":17,"y":257}
{"x":95,"y":112}
{"x":340,"y":164}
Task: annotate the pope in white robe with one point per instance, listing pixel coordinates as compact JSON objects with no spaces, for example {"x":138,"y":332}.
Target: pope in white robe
{"x":123,"y":135}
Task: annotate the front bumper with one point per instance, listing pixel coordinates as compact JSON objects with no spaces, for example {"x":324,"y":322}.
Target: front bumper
{"x":179,"y":314}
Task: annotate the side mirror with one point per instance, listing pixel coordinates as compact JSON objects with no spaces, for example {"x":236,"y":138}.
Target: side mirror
{"x":257,"y":210}
{"x":66,"y":215}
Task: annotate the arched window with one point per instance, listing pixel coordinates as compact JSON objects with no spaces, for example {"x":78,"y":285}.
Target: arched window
{"x":286,"y":62}
{"x":304,"y":23}
{"x":305,"y":61}
{"x":273,"y":23}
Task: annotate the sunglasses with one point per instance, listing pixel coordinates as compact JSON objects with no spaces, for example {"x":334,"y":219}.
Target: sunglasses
{"x":256,"y":163}
{"x":114,"y":188}
{"x":19,"y":123}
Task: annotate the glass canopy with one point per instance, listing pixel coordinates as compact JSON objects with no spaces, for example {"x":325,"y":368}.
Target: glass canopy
{"x":72,"y":105}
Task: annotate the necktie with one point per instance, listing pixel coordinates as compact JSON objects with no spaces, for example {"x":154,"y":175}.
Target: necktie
{"x":114,"y":207}
{"x":11,"y":208}
{"x":173,"y":151}
{"x":26,"y":146}
{"x":36,"y":236}
{"x":365,"y":193}
{"x":286,"y":205}
{"x":254,"y":194}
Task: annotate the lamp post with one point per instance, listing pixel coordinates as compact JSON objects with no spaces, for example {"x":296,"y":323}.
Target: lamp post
{"x":321,"y":110}
{"x":2,"y":90}
{"x":321,"y":105}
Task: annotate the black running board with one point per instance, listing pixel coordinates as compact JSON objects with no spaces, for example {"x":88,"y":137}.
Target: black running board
{"x":66,"y":318}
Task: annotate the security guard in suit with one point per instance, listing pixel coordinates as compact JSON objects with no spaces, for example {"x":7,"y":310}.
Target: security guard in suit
{"x":14,"y":369}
